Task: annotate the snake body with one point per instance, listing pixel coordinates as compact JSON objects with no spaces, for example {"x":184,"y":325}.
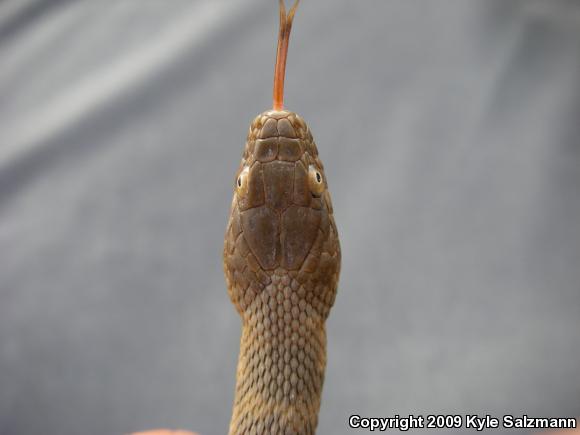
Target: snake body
{"x":281,"y":263}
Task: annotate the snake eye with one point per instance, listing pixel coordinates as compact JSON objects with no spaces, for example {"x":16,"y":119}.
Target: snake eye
{"x":242,"y":182}
{"x":315,"y":181}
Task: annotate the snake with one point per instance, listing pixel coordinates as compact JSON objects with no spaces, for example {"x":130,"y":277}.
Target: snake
{"x":281,"y":262}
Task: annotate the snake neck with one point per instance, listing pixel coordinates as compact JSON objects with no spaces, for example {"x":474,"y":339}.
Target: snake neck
{"x":281,"y":363}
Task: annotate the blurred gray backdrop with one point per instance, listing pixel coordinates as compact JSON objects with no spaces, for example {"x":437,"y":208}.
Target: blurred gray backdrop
{"x":450,"y":133}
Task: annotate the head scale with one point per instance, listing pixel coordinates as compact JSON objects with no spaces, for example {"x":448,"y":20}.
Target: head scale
{"x":280,"y":194}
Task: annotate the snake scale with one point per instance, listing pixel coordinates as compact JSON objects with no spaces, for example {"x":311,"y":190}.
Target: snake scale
{"x":281,"y":262}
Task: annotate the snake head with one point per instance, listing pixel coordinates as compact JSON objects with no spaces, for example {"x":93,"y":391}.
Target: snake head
{"x":281,"y":215}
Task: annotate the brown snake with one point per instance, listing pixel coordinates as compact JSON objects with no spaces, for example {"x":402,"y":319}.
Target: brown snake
{"x":281,"y":262}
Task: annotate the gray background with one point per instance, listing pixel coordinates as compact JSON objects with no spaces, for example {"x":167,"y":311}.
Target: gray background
{"x":449,"y":131}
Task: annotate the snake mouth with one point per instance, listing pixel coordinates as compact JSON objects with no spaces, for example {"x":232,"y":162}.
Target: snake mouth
{"x":279,"y":135}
